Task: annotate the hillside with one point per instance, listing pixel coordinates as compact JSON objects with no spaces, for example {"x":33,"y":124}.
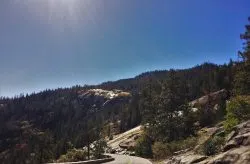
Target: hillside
{"x":58,"y":117}
{"x":201,"y":79}
{"x":75,"y":116}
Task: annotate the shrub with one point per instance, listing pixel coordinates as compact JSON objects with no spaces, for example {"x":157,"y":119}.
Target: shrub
{"x":213,"y":145}
{"x":183,"y":144}
{"x":73,"y":155}
{"x":238,"y":110}
{"x":230,"y":122}
{"x":143,"y":147}
{"x":209,"y":148}
{"x":99,"y":147}
{"x":161,"y":150}
{"x":111,"y":137}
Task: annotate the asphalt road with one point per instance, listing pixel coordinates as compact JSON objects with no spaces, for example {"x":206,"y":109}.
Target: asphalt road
{"x":126,"y":159}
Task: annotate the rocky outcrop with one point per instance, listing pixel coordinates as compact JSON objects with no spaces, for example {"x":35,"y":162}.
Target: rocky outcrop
{"x":130,"y":143}
{"x":125,"y":142}
{"x":206,"y":133}
{"x":240,"y":136}
{"x":97,"y":99}
{"x":103,"y":94}
{"x":235,"y":151}
{"x":186,"y":159}
{"x":214,"y":97}
{"x":239,"y":155}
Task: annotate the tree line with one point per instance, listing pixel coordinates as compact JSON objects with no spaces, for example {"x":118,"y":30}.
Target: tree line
{"x":40,"y":127}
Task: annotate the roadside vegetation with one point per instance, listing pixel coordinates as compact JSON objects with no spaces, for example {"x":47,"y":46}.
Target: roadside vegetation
{"x":96,"y":151}
{"x":171,"y":125}
{"x":163,"y":150}
{"x":74,"y":155}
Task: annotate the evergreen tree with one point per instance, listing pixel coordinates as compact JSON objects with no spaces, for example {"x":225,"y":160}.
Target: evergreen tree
{"x":166,"y":120}
{"x":146,"y":104}
{"x":188,"y":120}
{"x":242,"y":77}
{"x":168,"y":113}
{"x":99,"y":147}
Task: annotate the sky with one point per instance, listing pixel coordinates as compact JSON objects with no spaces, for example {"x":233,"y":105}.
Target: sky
{"x":61,"y":43}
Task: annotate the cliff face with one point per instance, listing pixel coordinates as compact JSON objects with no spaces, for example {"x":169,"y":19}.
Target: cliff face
{"x":211,"y":99}
{"x":98,"y":99}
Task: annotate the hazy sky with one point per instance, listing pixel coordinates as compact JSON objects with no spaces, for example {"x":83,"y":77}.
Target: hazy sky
{"x":58,"y":43}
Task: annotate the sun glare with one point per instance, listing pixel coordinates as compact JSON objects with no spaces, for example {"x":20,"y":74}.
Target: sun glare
{"x":60,"y":13}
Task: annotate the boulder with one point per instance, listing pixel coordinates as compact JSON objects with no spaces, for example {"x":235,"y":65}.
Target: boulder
{"x":236,"y":149}
{"x":239,"y":155}
{"x":130,"y":142}
{"x":215,"y":97}
{"x":193,"y":159}
{"x":230,"y":136}
{"x":239,"y":137}
{"x":186,"y":159}
{"x":182,"y":151}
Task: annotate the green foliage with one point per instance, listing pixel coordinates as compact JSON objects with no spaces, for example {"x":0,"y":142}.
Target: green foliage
{"x":182,"y":144}
{"x":69,"y":145}
{"x":197,"y":80}
{"x":65,"y":116}
{"x":163,"y":150}
{"x":99,"y":147}
{"x":159,"y":97}
{"x":230,"y":122}
{"x":143,"y":147}
{"x":213,"y":145}
{"x":242,"y":77}
{"x":73,"y":155}
{"x":209,"y":148}
{"x":221,"y":111}
{"x":168,"y":116}
{"x":33,"y":146}
{"x":188,"y":120}
{"x":238,"y":110}
{"x":242,"y":80}
{"x":45,"y":147}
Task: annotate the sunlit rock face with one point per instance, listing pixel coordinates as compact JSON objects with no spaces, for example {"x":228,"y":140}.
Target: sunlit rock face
{"x":97,"y":99}
{"x":104,"y":93}
{"x":212,"y":98}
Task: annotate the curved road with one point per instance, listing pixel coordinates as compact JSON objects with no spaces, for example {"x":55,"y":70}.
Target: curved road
{"x":126,"y":159}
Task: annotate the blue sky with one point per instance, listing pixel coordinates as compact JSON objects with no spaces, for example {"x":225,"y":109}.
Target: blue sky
{"x":60,"y":43}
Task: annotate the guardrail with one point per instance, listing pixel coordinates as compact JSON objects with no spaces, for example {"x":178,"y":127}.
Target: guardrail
{"x":97,"y":161}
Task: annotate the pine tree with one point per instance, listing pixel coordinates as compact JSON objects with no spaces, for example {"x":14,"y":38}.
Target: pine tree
{"x":167,"y":118}
{"x":146,"y":104}
{"x":242,"y":77}
{"x":148,"y":109}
